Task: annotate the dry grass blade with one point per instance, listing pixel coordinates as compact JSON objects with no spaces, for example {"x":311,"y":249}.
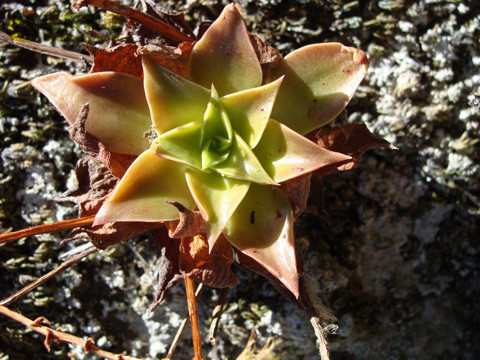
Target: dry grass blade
{"x":47,"y":277}
{"x":265,"y":353}
{"x":47,"y":50}
{"x":217,"y":312}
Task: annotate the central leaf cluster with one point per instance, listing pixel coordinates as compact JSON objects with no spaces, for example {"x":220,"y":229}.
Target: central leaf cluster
{"x":212,"y":144}
{"x":217,"y":134}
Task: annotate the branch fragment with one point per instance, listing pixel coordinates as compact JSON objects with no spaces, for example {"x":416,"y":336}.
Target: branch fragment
{"x":59,"y":336}
{"x":44,"y":229}
{"x":138,"y":16}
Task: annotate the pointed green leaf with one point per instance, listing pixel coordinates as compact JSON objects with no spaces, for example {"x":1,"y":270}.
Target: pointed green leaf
{"x":217,"y":197}
{"x":181,"y":144}
{"x":319,"y":82}
{"x":286,"y":154}
{"x":216,"y":138}
{"x":262,"y":228}
{"x":143,"y":191}
{"x":225,"y":55}
{"x":118,"y":115}
{"x":242,"y":164}
{"x":249,"y":110}
{"x":173,"y":100}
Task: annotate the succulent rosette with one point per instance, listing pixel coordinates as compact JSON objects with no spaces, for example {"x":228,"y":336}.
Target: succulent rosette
{"x":225,"y":139}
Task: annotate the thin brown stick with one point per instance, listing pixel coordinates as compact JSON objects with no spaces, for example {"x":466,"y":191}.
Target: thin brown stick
{"x":217,"y":312}
{"x":193,"y":312}
{"x":66,"y":264}
{"x":47,"y":50}
{"x":43,"y":229}
{"x":182,"y":326}
{"x":59,"y":336}
{"x":138,"y":16}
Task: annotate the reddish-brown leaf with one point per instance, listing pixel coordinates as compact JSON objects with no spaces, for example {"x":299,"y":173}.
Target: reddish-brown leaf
{"x":168,"y":253}
{"x":211,"y":268}
{"x":297,"y":191}
{"x":121,"y":58}
{"x":349,"y":139}
{"x":175,"y":59}
{"x":190,"y":224}
{"x":267,"y":55}
{"x":116,"y":163}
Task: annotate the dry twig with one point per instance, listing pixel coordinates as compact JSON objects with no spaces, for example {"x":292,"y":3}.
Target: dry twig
{"x":42,"y":326}
{"x":45,"y":229}
{"x":138,"y":16}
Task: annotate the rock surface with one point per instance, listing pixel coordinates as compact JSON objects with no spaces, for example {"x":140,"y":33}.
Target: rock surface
{"x":396,"y":259}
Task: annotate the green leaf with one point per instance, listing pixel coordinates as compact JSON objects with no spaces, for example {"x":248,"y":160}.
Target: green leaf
{"x":225,"y":56}
{"x":216,"y":137}
{"x":173,"y":100}
{"x":242,"y":164}
{"x":249,"y":110}
{"x":262,"y":228}
{"x":181,"y":144}
{"x":143,"y":191}
{"x":118,"y":116}
{"x":286,"y":154}
{"x":319,"y":82}
{"x":217,"y":197}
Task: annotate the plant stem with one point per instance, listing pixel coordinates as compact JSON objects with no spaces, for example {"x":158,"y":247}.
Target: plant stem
{"x":179,"y":333}
{"x":43,"y":229}
{"x":193,"y":312}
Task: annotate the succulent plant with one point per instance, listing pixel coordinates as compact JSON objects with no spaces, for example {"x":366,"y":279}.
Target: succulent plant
{"x":228,"y":134}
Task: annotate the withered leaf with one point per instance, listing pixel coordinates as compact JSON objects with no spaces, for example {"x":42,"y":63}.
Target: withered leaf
{"x":94,"y":183}
{"x":190,"y":224}
{"x":349,"y":139}
{"x":175,"y":59}
{"x":111,"y":233}
{"x":116,"y":163}
{"x":297,"y":191}
{"x":267,"y":55}
{"x":211,"y":268}
{"x":168,"y":252}
{"x":120,"y":58}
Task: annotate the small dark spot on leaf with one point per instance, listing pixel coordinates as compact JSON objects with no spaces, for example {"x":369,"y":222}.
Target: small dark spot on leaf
{"x":252,"y":217}
{"x":279,"y":214}
{"x":315,"y":100}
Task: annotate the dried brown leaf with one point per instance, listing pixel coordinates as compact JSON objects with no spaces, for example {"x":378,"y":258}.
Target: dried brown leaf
{"x":267,"y":55}
{"x":349,"y":139}
{"x":210,"y":268}
{"x":116,"y":163}
{"x":175,"y":59}
{"x":190,"y":224}
{"x":120,"y":58}
{"x":297,"y":191}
